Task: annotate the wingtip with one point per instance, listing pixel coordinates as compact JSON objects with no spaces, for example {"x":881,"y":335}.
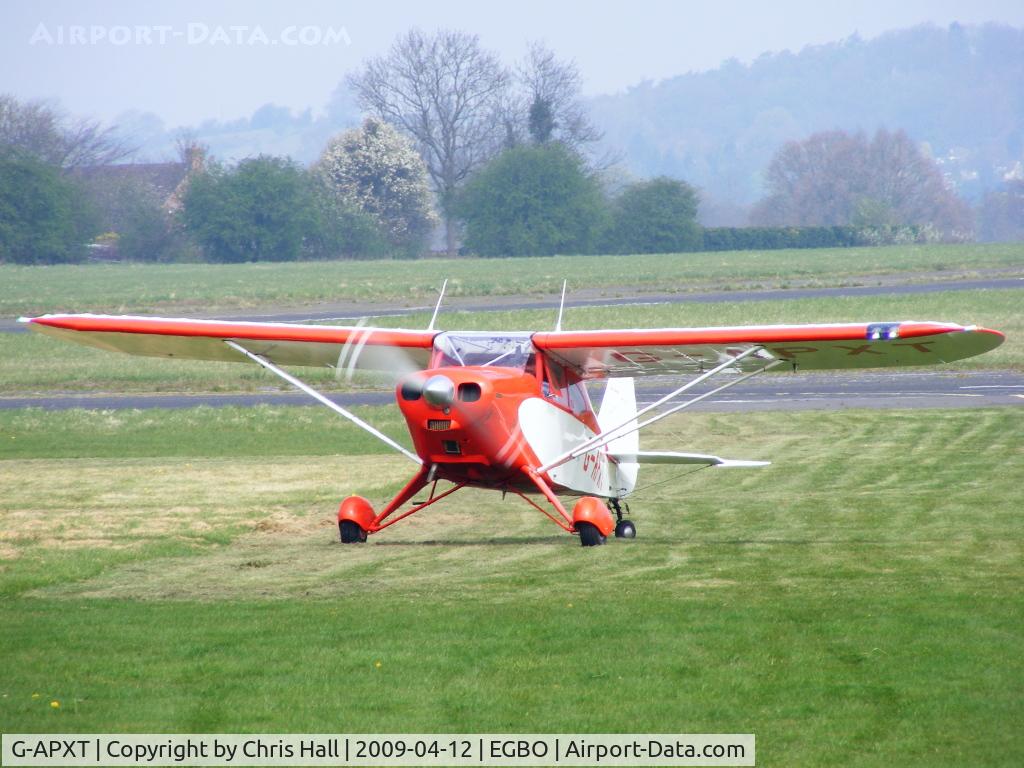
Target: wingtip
{"x":993,"y":332}
{"x":989,"y":338}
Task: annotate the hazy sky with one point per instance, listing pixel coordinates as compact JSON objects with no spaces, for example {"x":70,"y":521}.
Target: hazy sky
{"x":188,"y":61}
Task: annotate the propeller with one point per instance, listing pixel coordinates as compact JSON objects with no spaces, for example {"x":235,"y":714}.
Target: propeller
{"x":395,"y":363}
{"x":390,"y":362}
{"x":439,"y":391}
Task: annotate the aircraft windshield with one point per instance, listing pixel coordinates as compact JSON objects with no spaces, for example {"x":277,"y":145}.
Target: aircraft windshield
{"x":508,"y":350}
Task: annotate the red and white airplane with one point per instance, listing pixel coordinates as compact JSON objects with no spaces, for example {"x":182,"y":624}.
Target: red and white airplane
{"x":510,"y":411}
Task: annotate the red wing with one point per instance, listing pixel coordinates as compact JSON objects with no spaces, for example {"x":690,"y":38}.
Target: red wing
{"x":282,"y":343}
{"x":596,"y":354}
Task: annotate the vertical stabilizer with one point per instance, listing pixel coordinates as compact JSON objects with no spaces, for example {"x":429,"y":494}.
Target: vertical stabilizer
{"x":618,"y":405}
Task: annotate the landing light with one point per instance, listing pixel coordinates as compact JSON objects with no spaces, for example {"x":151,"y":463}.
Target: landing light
{"x":887,"y":331}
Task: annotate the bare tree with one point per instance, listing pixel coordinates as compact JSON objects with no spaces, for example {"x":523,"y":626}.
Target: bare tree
{"x":87,"y":142}
{"x":43,"y":131}
{"x":1002,"y":213}
{"x":835,"y":178}
{"x":190,"y":150}
{"x":911,"y":184}
{"x":552,"y":98}
{"x":445,"y":91}
{"x":815,"y":182}
{"x":31,"y":127}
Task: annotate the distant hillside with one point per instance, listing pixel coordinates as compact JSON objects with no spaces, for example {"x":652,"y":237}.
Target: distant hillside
{"x":959,"y":90}
{"x":271,"y":129}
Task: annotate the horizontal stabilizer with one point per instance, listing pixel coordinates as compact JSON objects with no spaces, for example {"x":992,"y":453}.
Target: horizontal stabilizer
{"x":674,"y":457}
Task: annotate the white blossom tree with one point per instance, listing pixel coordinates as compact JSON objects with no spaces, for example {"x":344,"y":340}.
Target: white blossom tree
{"x":376,"y":170}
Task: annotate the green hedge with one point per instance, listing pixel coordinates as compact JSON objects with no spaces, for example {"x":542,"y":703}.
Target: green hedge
{"x":777,"y":238}
{"x":774,"y":238}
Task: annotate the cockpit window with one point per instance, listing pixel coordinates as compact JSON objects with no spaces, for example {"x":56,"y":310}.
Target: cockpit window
{"x":559,"y":387}
{"x":509,"y":350}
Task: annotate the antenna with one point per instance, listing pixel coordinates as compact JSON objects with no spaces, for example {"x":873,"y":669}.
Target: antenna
{"x":561,"y":307}
{"x":437,"y":308}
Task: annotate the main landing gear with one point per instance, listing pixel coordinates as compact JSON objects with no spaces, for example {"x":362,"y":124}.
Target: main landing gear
{"x":624,"y":529}
{"x":590,"y":536}
{"x":589,"y":526}
{"x":351,"y":532}
{"x":591,"y":518}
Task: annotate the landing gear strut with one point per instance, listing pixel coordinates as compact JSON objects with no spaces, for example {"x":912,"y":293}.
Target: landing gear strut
{"x":624,"y":529}
{"x":356,"y":517}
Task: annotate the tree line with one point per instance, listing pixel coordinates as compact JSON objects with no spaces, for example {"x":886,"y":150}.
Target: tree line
{"x":503,"y":157}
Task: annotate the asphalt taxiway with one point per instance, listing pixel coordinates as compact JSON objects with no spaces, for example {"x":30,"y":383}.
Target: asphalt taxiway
{"x":771,"y":392}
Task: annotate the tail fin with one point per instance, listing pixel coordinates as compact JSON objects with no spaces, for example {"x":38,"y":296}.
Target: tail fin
{"x":619,"y":404}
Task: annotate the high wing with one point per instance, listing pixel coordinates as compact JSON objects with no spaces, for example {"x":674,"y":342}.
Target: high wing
{"x":343,"y":347}
{"x":600,"y":354}
{"x":592,"y":354}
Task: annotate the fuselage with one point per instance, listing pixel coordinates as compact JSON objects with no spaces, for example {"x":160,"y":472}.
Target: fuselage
{"x":488,"y":425}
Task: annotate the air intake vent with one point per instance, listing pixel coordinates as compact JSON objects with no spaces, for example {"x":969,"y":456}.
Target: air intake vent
{"x":469,"y":392}
{"x":439,"y":425}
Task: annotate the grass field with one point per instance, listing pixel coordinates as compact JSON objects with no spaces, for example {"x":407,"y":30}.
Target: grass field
{"x":860,"y":601}
{"x":207,"y":287}
{"x":30,"y":363}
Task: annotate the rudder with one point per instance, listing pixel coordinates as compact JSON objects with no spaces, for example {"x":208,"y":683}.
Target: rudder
{"x":618,"y":405}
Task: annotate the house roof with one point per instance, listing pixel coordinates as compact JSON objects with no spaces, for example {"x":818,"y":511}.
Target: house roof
{"x":164,"y":178}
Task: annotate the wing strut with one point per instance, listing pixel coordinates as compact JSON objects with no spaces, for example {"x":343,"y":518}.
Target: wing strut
{"x":322,"y":399}
{"x":592,"y":442}
{"x":687,"y":404}
{"x":597,"y":441}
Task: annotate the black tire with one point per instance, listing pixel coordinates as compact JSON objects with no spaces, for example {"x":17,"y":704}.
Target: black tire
{"x":589,"y":535}
{"x":351,"y":533}
{"x":625,"y":529}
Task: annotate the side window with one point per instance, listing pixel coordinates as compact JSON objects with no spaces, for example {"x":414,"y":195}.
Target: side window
{"x":579,"y":403}
{"x":557,"y":389}
{"x":531,"y":364}
{"x":553,"y":385}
